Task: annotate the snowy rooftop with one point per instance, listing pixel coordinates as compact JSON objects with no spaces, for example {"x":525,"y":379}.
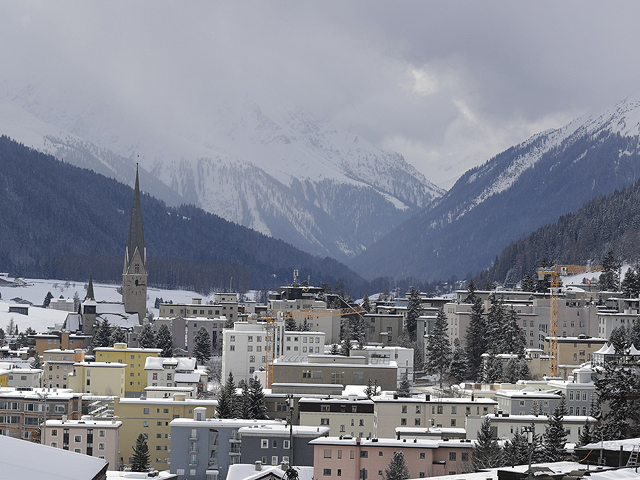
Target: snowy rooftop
{"x":243,"y":471}
{"x":52,"y":463}
{"x":627,"y":445}
{"x":283,"y":429}
{"x":392,"y":442}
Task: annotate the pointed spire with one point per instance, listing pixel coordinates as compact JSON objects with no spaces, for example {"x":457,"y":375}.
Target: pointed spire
{"x":136,"y":235}
{"x":90,"y":295}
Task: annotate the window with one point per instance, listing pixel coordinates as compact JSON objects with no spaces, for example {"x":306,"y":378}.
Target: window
{"x":454,"y":410}
{"x":418,"y":409}
{"x":417,"y":422}
{"x":145,"y":411}
{"x":422,"y":456}
{"x":364,"y":454}
{"x":102,"y":433}
{"x":54,"y":432}
{"x":404,"y":409}
{"x":453,"y":422}
{"x":326,"y":472}
{"x":264,"y":443}
{"x":465,"y":456}
{"x":339,"y":472}
{"x":77,"y":438}
{"x":327,"y":453}
{"x":403,"y":421}
{"x":324,"y":421}
{"x":325,"y":408}
{"x":439,"y":409}
{"x":361,"y":423}
{"x":145,"y":424}
{"x":285,"y":444}
{"x":452,"y":456}
{"x":101,"y":446}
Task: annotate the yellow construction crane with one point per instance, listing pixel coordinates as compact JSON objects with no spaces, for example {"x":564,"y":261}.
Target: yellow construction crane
{"x":556,"y":271}
{"x":308,"y":313}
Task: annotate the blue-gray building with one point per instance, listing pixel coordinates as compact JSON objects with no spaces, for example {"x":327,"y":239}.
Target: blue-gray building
{"x":204,"y":448}
{"x":269,"y":444}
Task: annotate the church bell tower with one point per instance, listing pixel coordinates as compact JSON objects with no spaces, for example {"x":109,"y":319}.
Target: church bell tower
{"x":134,"y":274}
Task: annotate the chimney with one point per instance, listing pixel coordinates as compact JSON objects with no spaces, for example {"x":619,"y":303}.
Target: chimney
{"x":258,"y":465}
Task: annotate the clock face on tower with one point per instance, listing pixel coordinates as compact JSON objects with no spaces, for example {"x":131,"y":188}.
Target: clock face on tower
{"x":135,"y":285}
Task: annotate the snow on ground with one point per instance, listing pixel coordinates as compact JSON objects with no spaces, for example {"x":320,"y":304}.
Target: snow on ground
{"x":42,"y":319}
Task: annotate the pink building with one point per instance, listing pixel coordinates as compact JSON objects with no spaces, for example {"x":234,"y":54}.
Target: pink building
{"x":347,"y":458}
{"x":96,"y":438}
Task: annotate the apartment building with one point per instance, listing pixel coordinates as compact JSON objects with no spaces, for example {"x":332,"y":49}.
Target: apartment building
{"x":350,"y":415}
{"x":60,"y":340}
{"x":521,"y":402}
{"x":23,"y":378}
{"x":271,"y":444}
{"x":134,"y":359}
{"x":574,"y":351}
{"x":96,"y":438}
{"x":166,"y":374}
{"x":245,"y":347}
{"x":356,"y":458}
{"x":335,"y":369}
{"x":151,"y":417}
{"x":98,"y":378}
{"x":578,"y":391}
{"x":391,"y":411}
{"x":205,"y":447}
{"x":383,"y":328}
{"x":22,"y":410}
{"x":58,"y":365}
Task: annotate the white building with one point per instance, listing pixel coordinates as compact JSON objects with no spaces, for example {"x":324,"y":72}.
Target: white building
{"x":245,"y":347}
{"x":165,"y":375}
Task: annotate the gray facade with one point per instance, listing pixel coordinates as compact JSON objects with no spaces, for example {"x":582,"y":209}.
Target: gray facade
{"x":184,"y":329}
{"x":270,"y":444}
{"x":200,"y":446}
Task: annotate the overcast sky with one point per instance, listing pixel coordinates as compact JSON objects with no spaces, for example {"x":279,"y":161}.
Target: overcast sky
{"x":447,"y":84}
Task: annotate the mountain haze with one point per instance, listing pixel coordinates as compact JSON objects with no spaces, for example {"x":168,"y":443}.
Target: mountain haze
{"x":283,"y":172}
{"x":511,"y":195}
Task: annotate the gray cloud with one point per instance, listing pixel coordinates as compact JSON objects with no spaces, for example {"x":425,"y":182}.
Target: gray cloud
{"x":448,"y":84}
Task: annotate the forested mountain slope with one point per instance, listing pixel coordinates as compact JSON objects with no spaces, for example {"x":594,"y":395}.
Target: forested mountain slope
{"x":61,"y":221}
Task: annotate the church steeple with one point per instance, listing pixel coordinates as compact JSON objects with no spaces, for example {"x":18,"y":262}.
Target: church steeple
{"x":134,"y":274}
{"x":136,"y":235}
{"x":90,"y":295}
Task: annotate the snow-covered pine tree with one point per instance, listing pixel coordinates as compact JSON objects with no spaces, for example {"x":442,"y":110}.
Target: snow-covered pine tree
{"x":397,"y":469}
{"x":165,"y":341}
{"x":475,"y":340}
{"x":438,"y":350}
{"x":413,"y":312}
{"x":146,"y":338}
{"x":555,"y":436}
{"x":486,"y":453}
{"x":257,"y":401}
{"x":141,"y":457}
{"x":117,"y":336}
{"x":458,"y":365}
{"x":516,"y":450}
{"x":202,"y":346}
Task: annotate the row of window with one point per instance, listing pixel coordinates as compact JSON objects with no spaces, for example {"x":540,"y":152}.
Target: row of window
{"x":264,"y":443}
{"x":31,"y":407}
{"x":78,"y":438}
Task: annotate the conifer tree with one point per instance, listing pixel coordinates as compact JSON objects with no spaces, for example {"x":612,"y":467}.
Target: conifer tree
{"x":458,"y":366}
{"x":610,"y":276}
{"x":471,"y":293}
{"x":585,"y":437}
{"x":345,"y":346}
{"x":516,"y":450}
{"x":398,"y":468}
{"x":117,"y":336}
{"x":335,"y":349}
{"x":404,"y":389}
{"x":290,"y":324}
{"x":618,"y":388}
{"x":147,"y":338}
{"x":438,"y":350}
{"x":511,"y":371}
{"x":243,"y":401}
{"x":141,"y":457}
{"x":476,"y":340}
{"x":371,"y":390}
{"x":36,"y":361}
{"x":257,"y":401}
{"x":486,"y":453}
{"x":528,"y":283}
{"x":513,"y":338}
{"x":629,"y":284}
{"x":202,"y":346}
{"x":47,"y":300}
{"x":165,"y":341}
{"x":555,"y":436}
{"x":366,"y":304}
{"x":492,"y":369}
{"x":413,"y":312}
{"x":102,"y":336}
{"x":227,"y":400}
{"x":495,"y":325}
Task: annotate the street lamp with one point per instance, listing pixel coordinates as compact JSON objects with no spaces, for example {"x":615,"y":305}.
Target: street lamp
{"x":43,"y":396}
{"x":530,"y":430}
{"x":290,"y":403}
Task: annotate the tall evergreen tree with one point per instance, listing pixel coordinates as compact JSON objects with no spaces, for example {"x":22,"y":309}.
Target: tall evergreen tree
{"x":117,"y":336}
{"x":610,"y":276}
{"x":366,"y":304}
{"x":513,"y":339}
{"x":476,"y":340}
{"x":492,"y":372}
{"x":345,"y":346}
{"x":47,"y":300}
{"x":102,"y":335}
{"x":257,"y":401}
{"x":629,"y":284}
{"x":471,"y":293}
{"x":585,"y":437}
{"x":227,"y":400}
{"x":618,"y":388}
{"x":486,"y":453}
{"x":438,"y":349}
{"x":335,"y":349}
{"x":36,"y":362}
{"x":397,"y":469}
{"x":458,"y":366}
{"x":495,"y":324}
{"x":528,"y":283}
{"x":165,"y":341}
{"x":404,"y":388}
{"x":243,"y":401}
{"x":555,"y":436}
{"x":290,"y":324}
{"x":147,"y":338}
{"x":202,"y":346}
{"x":141,"y":457}
{"x":371,"y":390}
{"x":516,"y":450}
{"x":413,"y":312}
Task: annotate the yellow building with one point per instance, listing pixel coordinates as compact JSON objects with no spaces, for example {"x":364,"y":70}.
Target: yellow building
{"x":151,"y":417}
{"x":4,"y":378}
{"x":134,"y":359}
{"x":574,"y":351}
{"x":98,"y":378}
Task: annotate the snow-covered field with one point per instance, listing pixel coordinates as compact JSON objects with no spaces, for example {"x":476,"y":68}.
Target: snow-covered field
{"x":41,"y":319}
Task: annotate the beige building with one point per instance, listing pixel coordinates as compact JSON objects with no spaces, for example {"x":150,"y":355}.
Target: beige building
{"x":335,"y":369}
{"x":391,"y":411}
{"x":89,"y":437}
{"x":98,"y":378}
{"x":151,"y":417}
{"x":574,"y":351}
{"x":58,"y":365}
{"x":134,"y":360}
{"x":383,"y":328}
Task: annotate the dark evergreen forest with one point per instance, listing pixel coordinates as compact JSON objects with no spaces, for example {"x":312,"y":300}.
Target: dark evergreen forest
{"x":605,"y":223}
{"x":64,"y":222}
